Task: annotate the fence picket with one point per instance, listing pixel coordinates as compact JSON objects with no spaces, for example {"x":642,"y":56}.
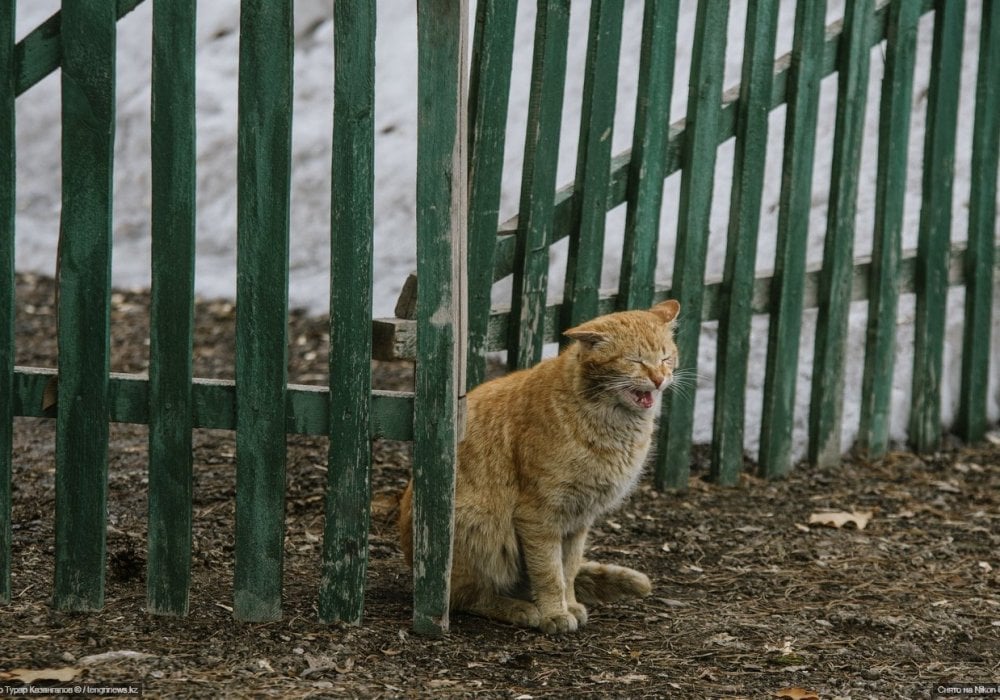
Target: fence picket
{"x":697,"y":179}
{"x":263,"y":165}
{"x":538,"y":180}
{"x":8,"y":163}
{"x":890,"y":192}
{"x":88,"y":127}
{"x":348,"y":496}
{"x":741,"y":244}
{"x":826,"y":401}
{"x":935,"y":225}
{"x":442,"y":218}
{"x":979,"y":261}
{"x":647,"y":164}
{"x":593,"y":164}
{"x":489,"y":93}
{"x":168,"y":577}
{"x":792,"y":234}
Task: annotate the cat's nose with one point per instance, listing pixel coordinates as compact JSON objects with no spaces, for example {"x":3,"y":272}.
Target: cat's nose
{"x":657,"y":380}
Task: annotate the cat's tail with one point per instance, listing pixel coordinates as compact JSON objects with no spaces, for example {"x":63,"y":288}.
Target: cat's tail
{"x":607,"y":583}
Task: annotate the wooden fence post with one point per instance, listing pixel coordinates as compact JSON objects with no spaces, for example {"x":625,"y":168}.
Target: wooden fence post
{"x":793,"y":229}
{"x":980,"y":255}
{"x":697,"y":180}
{"x":827,"y":397}
{"x":890,"y":192}
{"x":348,"y":495}
{"x":489,"y":94}
{"x":442,"y":219}
{"x":741,"y":242}
{"x":647,"y":165}
{"x":88,"y":129}
{"x":171,"y":325}
{"x":933,"y":244}
{"x":538,"y":180}
{"x":263,"y":173}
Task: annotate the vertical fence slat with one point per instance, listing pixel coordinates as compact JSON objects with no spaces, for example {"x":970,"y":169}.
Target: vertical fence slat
{"x":538,"y":180}
{"x":741,"y":244}
{"x":348,"y":497}
{"x":8,"y":162}
{"x":979,"y":258}
{"x":263,"y":166}
{"x":171,"y":307}
{"x":489,"y":93}
{"x":441,"y":319}
{"x":88,"y":127}
{"x":792,"y":235}
{"x":647,"y":165}
{"x":593,"y":164}
{"x":826,"y":402}
{"x":890,"y":192}
{"x":697,"y":179}
{"x":935,"y":224}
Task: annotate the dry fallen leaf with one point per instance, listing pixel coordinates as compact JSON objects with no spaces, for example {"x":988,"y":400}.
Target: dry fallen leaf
{"x":859,"y":518}
{"x":27,"y":675}
{"x":795,"y":694}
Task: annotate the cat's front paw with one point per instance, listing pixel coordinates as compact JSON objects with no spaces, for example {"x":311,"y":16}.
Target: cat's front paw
{"x":579,"y":612}
{"x":559,"y":623}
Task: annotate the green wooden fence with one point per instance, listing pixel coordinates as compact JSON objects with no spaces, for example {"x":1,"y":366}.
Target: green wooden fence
{"x":463,"y":249}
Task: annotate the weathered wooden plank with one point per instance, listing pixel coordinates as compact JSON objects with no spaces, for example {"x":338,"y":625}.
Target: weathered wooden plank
{"x":40,"y":52}
{"x":263,"y":167}
{"x":935,"y":225}
{"x":890,"y":192}
{"x":644,"y":194}
{"x":489,"y":93}
{"x":442,"y":217}
{"x":736,"y":292}
{"x":8,"y":202}
{"x":168,"y":574}
{"x":826,"y":400}
{"x":538,"y":179}
{"x":88,"y":127}
{"x":792,"y":235}
{"x":348,"y":495}
{"x":971,"y":422}
{"x":593,"y":163}
{"x":697,"y":180}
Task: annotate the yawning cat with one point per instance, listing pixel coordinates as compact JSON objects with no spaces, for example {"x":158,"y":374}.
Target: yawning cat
{"x":546,"y":452}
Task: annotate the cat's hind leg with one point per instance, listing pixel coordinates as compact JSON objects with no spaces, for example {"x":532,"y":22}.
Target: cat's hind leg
{"x":607,"y":583}
{"x":514,"y":611}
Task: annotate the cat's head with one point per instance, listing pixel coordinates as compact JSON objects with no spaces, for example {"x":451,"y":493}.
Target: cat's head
{"x":628,"y":358}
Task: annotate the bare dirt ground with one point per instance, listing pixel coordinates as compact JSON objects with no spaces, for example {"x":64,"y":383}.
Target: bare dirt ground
{"x":749,"y":600}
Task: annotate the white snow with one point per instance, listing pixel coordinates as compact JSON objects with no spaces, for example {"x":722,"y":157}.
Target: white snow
{"x":38,"y":197}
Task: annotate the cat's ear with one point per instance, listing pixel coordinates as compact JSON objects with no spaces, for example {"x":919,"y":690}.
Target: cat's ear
{"x":588,"y":338}
{"x":667,"y":310}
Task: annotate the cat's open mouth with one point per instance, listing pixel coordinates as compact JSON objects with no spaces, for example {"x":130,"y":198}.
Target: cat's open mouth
{"x":644,"y":399}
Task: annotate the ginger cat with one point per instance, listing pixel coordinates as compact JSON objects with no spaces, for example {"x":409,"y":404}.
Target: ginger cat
{"x":546,"y":452}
